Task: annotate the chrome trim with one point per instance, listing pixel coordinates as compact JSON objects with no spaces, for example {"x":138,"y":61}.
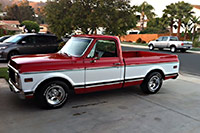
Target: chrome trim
{"x":13,"y":68}
{"x":15,"y":89}
{"x":129,"y":80}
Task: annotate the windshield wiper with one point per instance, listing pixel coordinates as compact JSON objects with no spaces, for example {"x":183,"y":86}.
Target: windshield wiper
{"x":66,"y":54}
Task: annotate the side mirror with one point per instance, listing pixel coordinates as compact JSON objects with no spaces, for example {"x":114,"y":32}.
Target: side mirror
{"x":97,"y":56}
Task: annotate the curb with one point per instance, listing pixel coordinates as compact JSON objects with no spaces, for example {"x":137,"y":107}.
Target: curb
{"x":146,"y":47}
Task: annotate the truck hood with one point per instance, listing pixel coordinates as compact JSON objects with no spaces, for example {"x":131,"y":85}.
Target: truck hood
{"x":43,"y":62}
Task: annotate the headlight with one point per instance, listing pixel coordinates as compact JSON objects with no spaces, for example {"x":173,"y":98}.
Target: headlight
{"x":17,"y":78}
{"x":2,"y":48}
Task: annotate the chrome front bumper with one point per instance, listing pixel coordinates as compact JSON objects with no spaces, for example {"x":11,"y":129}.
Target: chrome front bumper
{"x":14,"y":89}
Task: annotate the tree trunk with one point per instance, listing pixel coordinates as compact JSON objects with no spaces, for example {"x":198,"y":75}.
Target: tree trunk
{"x":193,"y":35}
{"x":185,"y":34}
{"x":142,"y":21}
{"x":179,"y":28}
{"x":171,"y":28}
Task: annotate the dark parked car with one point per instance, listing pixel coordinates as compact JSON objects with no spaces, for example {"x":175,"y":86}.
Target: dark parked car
{"x":4,"y":38}
{"x":30,"y":43}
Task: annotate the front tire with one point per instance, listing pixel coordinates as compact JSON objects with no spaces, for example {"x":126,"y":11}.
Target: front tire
{"x":151,"y":47}
{"x":152,"y":83}
{"x":173,"y":49}
{"x":52,"y":95}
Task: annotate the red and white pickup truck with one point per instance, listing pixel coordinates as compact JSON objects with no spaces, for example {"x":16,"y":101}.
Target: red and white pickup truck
{"x":88,"y":63}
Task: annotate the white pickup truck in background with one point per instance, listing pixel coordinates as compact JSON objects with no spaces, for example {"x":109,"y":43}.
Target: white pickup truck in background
{"x":171,"y":42}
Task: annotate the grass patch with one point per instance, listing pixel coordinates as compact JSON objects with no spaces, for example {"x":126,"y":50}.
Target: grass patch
{"x":4,"y":73}
{"x":195,"y":49}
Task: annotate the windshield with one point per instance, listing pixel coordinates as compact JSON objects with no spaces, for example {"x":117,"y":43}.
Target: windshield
{"x":76,"y":46}
{"x":13,"y":39}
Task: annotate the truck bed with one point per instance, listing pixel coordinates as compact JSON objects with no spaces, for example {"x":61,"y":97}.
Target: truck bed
{"x":143,"y":57}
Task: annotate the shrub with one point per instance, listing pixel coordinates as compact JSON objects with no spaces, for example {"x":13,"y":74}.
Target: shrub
{"x":30,"y":26}
{"x":139,"y":40}
{"x":143,"y":41}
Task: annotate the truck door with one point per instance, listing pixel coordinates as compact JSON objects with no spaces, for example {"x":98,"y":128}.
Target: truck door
{"x":158,"y":42}
{"x":164,"y":42}
{"x":104,"y":69}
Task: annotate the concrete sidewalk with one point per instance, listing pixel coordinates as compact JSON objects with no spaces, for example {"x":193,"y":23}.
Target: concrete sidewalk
{"x":146,"y":47}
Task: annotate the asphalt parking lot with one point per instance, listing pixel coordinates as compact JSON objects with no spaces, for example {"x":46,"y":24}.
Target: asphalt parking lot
{"x":175,"y":109}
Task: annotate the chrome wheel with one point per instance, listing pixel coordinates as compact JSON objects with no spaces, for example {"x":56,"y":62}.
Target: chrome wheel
{"x":151,"y":47}
{"x":154,"y":83}
{"x":55,"y":94}
{"x":173,"y":49}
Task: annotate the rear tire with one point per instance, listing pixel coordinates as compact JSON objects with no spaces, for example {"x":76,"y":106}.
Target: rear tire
{"x":52,"y":95}
{"x":151,"y":47}
{"x":173,"y":49}
{"x":152,"y":83}
{"x":183,"y":50}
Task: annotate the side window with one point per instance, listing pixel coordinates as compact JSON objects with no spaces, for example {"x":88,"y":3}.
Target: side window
{"x":160,"y":39}
{"x":29,"y":40}
{"x":41,"y":40}
{"x":46,"y":39}
{"x":164,"y":38}
{"x":104,"y":48}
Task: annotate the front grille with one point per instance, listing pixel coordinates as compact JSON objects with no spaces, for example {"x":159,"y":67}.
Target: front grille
{"x":12,"y":74}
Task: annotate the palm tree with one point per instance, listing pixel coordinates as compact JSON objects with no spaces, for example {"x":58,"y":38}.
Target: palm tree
{"x":195,"y":20}
{"x":183,"y":11}
{"x":145,"y":9}
{"x":186,"y":24}
{"x":169,"y":16}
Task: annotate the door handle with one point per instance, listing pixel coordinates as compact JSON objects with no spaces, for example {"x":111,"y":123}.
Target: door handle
{"x":117,"y":64}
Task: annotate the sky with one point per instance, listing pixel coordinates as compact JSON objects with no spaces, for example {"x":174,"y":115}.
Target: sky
{"x":158,"y":5}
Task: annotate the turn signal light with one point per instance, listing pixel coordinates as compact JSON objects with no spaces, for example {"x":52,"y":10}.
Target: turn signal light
{"x":28,"y":80}
{"x":175,"y":67}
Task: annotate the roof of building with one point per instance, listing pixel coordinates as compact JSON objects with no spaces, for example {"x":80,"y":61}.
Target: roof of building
{"x":10,"y":28}
{"x":196,"y":6}
{"x":10,"y":22}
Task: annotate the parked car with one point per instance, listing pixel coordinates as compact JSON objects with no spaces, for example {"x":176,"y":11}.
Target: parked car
{"x":30,"y":43}
{"x":88,"y":63}
{"x":171,"y":42}
{"x":4,"y":38}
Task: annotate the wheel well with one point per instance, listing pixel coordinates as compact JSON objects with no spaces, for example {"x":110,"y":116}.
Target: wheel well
{"x":71,"y":88}
{"x":157,"y":70}
{"x":173,"y":46}
{"x":13,"y":51}
{"x":10,"y":52}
